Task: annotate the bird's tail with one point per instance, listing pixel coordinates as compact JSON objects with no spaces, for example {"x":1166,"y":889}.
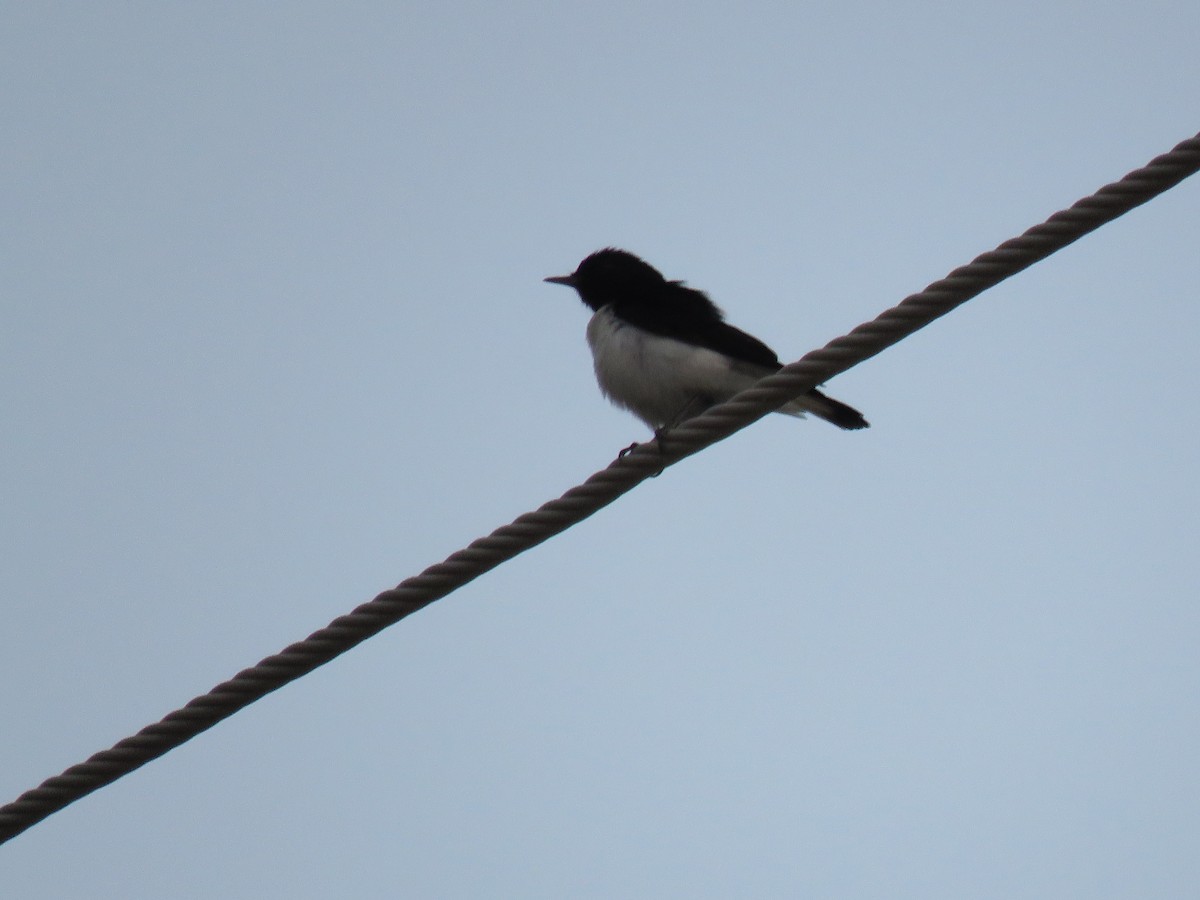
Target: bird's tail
{"x":833,"y":411}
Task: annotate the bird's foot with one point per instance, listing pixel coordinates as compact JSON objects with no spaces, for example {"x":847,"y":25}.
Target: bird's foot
{"x":658,"y":434}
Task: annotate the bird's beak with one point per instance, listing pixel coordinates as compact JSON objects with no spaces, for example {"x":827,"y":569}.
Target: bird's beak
{"x":568,"y":280}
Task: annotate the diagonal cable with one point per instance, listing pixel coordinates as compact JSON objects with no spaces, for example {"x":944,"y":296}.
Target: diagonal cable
{"x":602,"y":488}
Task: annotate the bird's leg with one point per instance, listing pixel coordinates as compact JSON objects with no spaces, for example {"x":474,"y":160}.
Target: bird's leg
{"x":691,"y":409}
{"x":659,"y":433}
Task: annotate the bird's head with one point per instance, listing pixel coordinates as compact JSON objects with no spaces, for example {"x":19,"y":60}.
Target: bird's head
{"x":610,"y":276}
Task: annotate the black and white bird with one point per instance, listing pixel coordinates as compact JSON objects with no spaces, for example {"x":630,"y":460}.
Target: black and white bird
{"x":664,"y":351}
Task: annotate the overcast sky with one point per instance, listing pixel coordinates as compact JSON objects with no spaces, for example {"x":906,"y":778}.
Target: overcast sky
{"x":274,"y":338}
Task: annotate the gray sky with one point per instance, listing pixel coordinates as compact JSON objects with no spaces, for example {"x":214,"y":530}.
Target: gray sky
{"x":274,"y":338}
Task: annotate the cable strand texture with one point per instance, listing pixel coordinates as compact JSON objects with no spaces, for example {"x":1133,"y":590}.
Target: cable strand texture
{"x":602,"y":488}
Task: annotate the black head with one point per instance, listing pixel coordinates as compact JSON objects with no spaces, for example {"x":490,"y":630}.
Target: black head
{"x":612,"y":276}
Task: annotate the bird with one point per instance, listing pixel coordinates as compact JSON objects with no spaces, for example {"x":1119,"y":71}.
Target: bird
{"x":663,"y":350}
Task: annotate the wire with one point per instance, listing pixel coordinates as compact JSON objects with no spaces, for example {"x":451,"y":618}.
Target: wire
{"x":602,"y":488}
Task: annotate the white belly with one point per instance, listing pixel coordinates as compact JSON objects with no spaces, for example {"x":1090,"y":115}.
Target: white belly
{"x":657,"y":378}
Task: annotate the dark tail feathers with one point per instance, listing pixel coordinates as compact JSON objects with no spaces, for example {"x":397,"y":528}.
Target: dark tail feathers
{"x":835,"y":411}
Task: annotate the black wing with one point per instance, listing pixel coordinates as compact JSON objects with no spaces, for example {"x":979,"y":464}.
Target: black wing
{"x":724,"y":338}
{"x":688,"y":315}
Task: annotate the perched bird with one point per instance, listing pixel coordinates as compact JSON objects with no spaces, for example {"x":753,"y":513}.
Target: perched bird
{"x":663,"y":350}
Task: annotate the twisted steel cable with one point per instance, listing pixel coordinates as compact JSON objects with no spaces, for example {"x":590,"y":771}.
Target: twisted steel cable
{"x":602,"y":488}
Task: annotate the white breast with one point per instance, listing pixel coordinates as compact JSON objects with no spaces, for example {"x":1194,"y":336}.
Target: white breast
{"x":658,"y":378}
